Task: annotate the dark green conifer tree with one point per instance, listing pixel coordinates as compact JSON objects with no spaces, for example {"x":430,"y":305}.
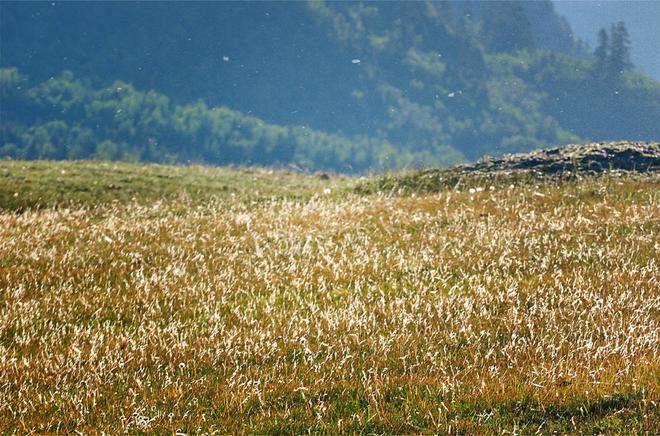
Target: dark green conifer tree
{"x":602,"y":52}
{"x":619,"y":59}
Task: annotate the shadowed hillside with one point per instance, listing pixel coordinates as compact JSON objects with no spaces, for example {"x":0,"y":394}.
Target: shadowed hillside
{"x":347,"y":86}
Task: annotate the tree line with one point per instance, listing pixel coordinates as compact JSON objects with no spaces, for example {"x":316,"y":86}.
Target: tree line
{"x":66,"y":118}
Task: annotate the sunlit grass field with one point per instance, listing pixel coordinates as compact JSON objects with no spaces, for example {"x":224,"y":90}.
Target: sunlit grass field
{"x":252,"y":301}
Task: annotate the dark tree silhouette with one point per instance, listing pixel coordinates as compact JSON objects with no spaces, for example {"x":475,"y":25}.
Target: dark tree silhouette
{"x":619,"y":48}
{"x":613,"y":52}
{"x":603,"y":50}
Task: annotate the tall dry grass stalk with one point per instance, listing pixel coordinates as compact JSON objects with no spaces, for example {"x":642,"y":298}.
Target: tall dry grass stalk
{"x":520,"y":308}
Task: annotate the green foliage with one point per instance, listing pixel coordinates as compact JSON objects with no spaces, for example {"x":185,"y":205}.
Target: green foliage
{"x":506,"y":27}
{"x":345,"y":86}
{"x":65,"y":118}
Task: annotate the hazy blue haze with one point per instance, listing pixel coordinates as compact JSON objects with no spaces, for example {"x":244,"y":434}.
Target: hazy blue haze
{"x":347,"y":86}
{"x":641,"y":17}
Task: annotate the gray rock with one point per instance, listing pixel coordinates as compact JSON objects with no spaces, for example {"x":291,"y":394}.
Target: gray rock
{"x":582,"y":159}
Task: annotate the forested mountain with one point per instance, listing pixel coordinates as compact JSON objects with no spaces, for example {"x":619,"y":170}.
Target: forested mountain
{"x":348,"y":86}
{"x":641,"y":17}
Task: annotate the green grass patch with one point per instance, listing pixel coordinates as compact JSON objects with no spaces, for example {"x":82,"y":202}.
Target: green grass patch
{"x":43,"y":184}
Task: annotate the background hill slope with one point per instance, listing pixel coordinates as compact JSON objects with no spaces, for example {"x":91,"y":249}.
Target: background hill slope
{"x":344,"y":86}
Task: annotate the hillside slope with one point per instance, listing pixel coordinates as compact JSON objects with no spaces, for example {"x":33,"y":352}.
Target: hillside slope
{"x":553,"y":165}
{"x":423,"y":83}
{"x":27,"y":185}
{"x":525,"y":308}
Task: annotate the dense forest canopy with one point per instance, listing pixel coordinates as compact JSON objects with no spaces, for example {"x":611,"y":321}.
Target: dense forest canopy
{"x":348,"y":86}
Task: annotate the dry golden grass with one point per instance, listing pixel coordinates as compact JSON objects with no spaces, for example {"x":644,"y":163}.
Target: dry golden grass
{"x":517,"y":309}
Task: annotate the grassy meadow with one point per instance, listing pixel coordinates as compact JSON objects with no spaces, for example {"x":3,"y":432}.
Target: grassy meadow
{"x":162,"y":299}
